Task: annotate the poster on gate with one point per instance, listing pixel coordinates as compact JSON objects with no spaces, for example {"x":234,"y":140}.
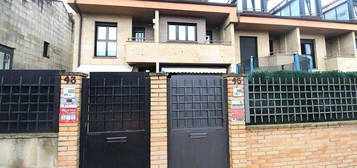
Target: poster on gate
{"x":68,"y":115}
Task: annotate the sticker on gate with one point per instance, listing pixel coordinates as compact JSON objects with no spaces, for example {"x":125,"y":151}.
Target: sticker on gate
{"x":68,"y":115}
{"x":237,"y":114}
{"x":69,"y":103}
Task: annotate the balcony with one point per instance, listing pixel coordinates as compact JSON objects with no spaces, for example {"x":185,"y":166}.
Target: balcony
{"x":186,"y":53}
{"x":342,"y":62}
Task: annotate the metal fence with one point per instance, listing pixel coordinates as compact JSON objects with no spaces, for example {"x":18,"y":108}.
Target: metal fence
{"x":29,"y":100}
{"x":274,"y":101}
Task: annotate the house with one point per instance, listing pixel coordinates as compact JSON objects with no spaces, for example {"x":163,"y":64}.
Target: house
{"x":202,"y":36}
{"x":35,"y":34}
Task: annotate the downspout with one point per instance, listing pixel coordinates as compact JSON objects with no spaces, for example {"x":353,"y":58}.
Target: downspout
{"x":80,"y":34}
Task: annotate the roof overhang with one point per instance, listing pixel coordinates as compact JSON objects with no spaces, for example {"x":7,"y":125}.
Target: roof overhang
{"x":279,"y":25}
{"x":146,"y":8}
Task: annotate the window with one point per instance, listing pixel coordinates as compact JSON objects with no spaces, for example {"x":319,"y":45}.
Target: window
{"x":182,"y":32}
{"x":342,"y":12}
{"x":308,"y":49}
{"x":209,"y":37}
{"x":310,"y":7}
{"x":295,"y":8}
{"x":46,"y":46}
{"x":6,"y":55}
{"x":106,"y":39}
{"x":271,"y":47}
{"x":139,"y":34}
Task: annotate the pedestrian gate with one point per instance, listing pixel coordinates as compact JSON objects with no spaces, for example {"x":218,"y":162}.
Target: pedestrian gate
{"x":115,"y":121}
{"x":197,"y":122}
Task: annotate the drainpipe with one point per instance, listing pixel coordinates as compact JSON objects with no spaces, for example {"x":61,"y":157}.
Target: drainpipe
{"x":80,"y":34}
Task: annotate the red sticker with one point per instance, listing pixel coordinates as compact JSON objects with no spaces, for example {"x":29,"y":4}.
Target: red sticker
{"x":237,"y":113}
{"x":68,"y":115}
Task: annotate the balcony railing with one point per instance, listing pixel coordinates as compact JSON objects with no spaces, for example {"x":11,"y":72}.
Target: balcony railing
{"x":134,"y":39}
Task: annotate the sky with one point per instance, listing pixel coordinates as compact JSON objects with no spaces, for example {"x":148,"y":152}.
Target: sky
{"x":271,"y":3}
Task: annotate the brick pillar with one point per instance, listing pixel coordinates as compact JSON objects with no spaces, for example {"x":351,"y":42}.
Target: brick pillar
{"x":158,"y":121}
{"x":236,"y":122}
{"x":69,"y":127}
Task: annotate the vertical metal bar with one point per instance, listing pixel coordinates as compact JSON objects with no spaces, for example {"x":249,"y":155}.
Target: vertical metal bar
{"x":48,"y":106}
{"x":185,"y":94}
{"x":246,"y":100}
{"x":329,"y":96}
{"x":121,"y":103}
{"x":306,"y":102}
{"x":323,"y":98}
{"x":268,"y":99}
{"x":261,"y":101}
{"x":275,"y":109}
{"x":300,"y":99}
{"x":9,"y":109}
{"x":312,"y":100}
{"x":334,"y":91}
{"x":193,"y":113}
{"x":254,"y":101}
{"x":351,"y":97}
{"x":287,"y":99}
{"x":293,"y":92}
{"x":340,"y":96}
{"x":1,"y":95}
{"x":345,"y":98}
{"x":29,"y":106}
{"x":38,"y":101}
{"x":281,"y":101}
{"x":104,"y":112}
{"x":19,"y":105}
{"x":112,"y":104}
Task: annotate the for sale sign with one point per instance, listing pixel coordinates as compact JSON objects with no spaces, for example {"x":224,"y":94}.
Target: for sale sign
{"x":68,"y":115}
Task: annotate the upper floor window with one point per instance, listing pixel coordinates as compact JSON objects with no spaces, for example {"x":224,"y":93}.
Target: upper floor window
{"x":182,"y":32}
{"x":106,"y":39}
{"x":6,"y":55}
{"x":46,"y":46}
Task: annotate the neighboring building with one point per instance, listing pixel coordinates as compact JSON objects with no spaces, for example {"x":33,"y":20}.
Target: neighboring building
{"x":35,"y":34}
{"x":199,"y":36}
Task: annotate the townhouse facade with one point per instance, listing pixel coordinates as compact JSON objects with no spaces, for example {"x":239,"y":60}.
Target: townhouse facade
{"x":170,"y":36}
{"x":35,"y":35}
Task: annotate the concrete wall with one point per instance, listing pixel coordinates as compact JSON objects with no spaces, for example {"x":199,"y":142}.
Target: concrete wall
{"x":28,"y":150}
{"x":302,"y":145}
{"x":124,"y":31}
{"x":200,"y":22}
{"x":320,"y":50}
{"x":25,"y":26}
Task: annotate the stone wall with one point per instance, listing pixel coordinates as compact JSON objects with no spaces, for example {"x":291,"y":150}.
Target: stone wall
{"x":25,"y":26}
{"x":28,"y":150}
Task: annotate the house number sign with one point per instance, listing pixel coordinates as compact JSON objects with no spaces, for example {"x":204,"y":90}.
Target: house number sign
{"x":70,"y":80}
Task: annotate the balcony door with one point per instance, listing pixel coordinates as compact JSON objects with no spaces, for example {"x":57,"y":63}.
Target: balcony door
{"x":308,"y":49}
{"x":248,"y":49}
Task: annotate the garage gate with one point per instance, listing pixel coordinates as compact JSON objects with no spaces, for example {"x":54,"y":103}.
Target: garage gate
{"x":115,"y":122}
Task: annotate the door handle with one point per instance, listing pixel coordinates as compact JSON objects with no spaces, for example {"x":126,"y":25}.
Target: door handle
{"x":198,"y":135}
{"x":116,"y":139}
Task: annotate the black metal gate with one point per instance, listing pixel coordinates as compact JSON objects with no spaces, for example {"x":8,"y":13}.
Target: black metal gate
{"x":198,"y":135}
{"x":115,"y":121}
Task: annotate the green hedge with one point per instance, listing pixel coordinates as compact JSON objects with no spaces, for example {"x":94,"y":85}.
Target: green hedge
{"x":289,"y":75}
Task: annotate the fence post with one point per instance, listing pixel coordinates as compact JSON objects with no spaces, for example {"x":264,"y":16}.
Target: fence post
{"x":69,"y":120}
{"x":158,"y":121}
{"x":236,"y":122}
{"x":297,"y":62}
{"x":251,"y":64}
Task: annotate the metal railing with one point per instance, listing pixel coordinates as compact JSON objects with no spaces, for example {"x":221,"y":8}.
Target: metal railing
{"x":277,"y":61}
{"x":134,"y":39}
{"x":214,"y":42}
{"x":297,"y":100}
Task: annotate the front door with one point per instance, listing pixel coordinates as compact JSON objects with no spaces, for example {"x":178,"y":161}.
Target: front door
{"x":248,"y":49}
{"x":116,"y":121}
{"x":307,"y":49}
{"x":197,"y":122}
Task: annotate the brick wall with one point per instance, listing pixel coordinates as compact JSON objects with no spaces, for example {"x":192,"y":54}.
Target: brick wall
{"x":332,"y":144}
{"x":158,"y":121}
{"x":68,"y":135}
